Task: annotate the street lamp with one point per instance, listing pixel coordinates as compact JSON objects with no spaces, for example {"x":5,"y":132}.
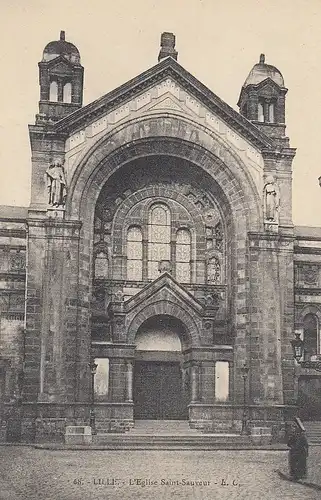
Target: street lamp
{"x":297,"y":347}
{"x":93,"y":368}
{"x":245,"y":371}
{"x":298,"y":354}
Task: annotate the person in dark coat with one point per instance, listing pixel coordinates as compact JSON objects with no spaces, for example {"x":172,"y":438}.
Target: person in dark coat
{"x":298,"y":452}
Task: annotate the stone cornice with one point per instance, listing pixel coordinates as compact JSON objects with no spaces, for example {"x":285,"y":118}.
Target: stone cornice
{"x":47,"y":130}
{"x":107,"y":283}
{"x":253,"y":236}
{"x":279,"y":153}
{"x":58,"y":60}
{"x":262,"y":84}
{"x":307,"y":250}
{"x":307,"y":291}
{"x":308,"y":238}
{"x":12,"y":276}
{"x":13,"y":233}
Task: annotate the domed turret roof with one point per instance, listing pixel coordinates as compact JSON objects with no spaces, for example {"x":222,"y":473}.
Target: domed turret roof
{"x":61,"y":48}
{"x":261,"y":71}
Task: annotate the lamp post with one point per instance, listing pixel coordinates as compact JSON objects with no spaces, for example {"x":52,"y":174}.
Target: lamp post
{"x":297,"y":347}
{"x":245,"y":371}
{"x":93,"y":369}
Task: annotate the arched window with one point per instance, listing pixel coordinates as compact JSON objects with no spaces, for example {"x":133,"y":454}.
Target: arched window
{"x":67,"y":92}
{"x":183,"y":256}
{"x":101,"y":266}
{"x":53,"y":92}
{"x":159,"y":238}
{"x":271,"y":112}
{"x":260,"y":112}
{"x":311,"y":335}
{"x":213,"y":271}
{"x":134,"y":254}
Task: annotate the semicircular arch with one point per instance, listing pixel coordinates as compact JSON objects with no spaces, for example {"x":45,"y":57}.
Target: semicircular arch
{"x":173,"y":136}
{"x":168,"y":308}
{"x":309,"y":309}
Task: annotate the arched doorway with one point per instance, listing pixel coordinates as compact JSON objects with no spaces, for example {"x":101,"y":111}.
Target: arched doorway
{"x":160,"y":382}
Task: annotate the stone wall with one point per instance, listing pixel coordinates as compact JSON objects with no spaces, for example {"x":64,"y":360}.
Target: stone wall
{"x":12,"y":297}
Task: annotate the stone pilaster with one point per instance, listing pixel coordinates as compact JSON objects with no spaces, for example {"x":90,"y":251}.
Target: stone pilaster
{"x":129,"y":381}
{"x":195,"y":382}
{"x":53,"y":305}
{"x":271,"y":316}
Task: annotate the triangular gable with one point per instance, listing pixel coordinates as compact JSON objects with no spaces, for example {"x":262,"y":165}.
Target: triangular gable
{"x":167,"y":103}
{"x":158,"y":74}
{"x":154,"y":289}
{"x":59,"y":63}
{"x":267,"y":84}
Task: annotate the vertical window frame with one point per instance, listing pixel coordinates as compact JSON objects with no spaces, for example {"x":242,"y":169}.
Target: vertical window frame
{"x":54,"y":96}
{"x":155,"y":244}
{"x":178,"y":262}
{"x":134,"y":276}
{"x":65,"y":94}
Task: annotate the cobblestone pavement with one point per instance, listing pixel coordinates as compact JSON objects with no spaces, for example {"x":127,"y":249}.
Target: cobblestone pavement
{"x":27,"y":473}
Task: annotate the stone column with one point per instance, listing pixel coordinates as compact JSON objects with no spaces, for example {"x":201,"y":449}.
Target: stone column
{"x":129,"y":381}
{"x":195,"y":382}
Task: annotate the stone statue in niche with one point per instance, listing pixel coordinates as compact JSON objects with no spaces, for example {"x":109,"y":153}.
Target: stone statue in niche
{"x":56,"y":183}
{"x":271,"y":200}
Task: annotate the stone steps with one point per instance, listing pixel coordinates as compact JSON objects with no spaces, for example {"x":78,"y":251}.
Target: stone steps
{"x":173,"y":427}
{"x":169,"y":435}
{"x":170,"y":442}
{"x":313,"y":431}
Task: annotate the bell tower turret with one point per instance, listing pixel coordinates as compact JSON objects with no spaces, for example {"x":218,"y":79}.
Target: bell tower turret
{"x":60,"y":79}
{"x":262,"y":100}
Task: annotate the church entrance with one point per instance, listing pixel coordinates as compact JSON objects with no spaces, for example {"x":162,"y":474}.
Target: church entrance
{"x":160,"y":390}
{"x":309,"y":397}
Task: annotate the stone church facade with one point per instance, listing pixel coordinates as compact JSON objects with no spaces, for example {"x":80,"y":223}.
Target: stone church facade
{"x":157,"y":258}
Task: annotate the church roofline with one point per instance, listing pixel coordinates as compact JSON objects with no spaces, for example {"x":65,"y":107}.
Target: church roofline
{"x":167,"y":67}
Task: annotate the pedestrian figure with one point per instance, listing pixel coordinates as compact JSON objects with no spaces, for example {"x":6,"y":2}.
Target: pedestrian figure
{"x":298,"y":453}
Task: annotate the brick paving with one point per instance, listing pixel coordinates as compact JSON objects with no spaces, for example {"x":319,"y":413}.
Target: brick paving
{"x":28,"y":473}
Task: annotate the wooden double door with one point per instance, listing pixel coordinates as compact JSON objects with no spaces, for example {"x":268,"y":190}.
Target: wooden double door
{"x":159,"y":391}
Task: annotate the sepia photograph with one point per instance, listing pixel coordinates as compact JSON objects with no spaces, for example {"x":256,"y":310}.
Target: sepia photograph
{"x":160,"y":250}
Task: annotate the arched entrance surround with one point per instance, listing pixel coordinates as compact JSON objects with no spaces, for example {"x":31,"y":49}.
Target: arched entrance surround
{"x":181,"y":138}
